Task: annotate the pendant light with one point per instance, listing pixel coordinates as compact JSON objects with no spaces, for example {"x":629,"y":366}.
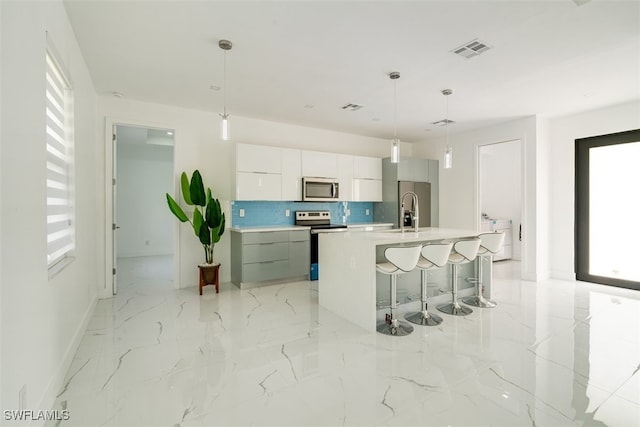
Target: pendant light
{"x":395,"y":142}
{"x":448,"y":153}
{"x":224,"y":125}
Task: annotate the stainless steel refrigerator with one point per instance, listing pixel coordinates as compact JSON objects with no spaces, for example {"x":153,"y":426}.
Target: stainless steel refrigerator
{"x":423,"y":191}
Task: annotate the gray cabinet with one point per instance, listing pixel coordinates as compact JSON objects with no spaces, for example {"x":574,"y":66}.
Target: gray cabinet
{"x":263,"y":257}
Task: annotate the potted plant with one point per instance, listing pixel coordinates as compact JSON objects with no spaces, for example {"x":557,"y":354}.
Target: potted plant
{"x":208,"y":222}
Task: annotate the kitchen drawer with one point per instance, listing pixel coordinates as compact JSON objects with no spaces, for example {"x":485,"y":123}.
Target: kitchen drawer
{"x":265,"y":237}
{"x":299,"y":236}
{"x":268,"y":270}
{"x":265,"y":252}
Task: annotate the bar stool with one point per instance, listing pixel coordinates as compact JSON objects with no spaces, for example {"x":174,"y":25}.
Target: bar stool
{"x":490,"y":243}
{"x":464,"y":251}
{"x":432,"y":256}
{"x":400,"y":259}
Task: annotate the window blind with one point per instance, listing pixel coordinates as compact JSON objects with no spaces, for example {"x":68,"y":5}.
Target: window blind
{"x":59,"y":125}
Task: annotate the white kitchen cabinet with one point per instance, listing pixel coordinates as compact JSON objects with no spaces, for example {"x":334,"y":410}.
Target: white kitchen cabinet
{"x":258,"y":158}
{"x":345,"y":177}
{"x":258,"y":186}
{"x":291,"y":175}
{"x":319,"y":164}
{"x":367,"y":190}
{"x":367,"y":167}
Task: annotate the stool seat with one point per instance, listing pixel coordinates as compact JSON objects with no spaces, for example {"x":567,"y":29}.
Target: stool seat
{"x":399,"y":260}
{"x":490,"y":244}
{"x":464,"y":251}
{"x":432,"y":256}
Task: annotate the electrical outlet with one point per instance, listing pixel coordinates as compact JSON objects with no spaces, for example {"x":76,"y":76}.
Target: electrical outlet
{"x":366,"y":212}
{"x":241,"y":213}
{"x":287,"y":212}
{"x":22,"y":398}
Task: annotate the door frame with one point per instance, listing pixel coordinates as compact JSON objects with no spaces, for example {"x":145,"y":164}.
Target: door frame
{"x":108,"y":290}
{"x":581,"y":224}
{"x":524,"y":253}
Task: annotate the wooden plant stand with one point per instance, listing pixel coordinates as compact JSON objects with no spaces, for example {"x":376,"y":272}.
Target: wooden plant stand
{"x":209,"y":275}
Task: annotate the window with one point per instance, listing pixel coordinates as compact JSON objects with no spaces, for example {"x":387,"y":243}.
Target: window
{"x":60,"y":198}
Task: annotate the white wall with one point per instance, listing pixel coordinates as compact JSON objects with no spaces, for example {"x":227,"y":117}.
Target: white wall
{"x":564,"y":131}
{"x":198,"y":146}
{"x":144,"y":175}
{"x":459,"y":186}
{"x":501,"y":189}
{"x":41,"y":319}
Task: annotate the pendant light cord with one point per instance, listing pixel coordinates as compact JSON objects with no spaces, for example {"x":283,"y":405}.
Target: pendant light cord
{"x":395,"y":109}
{"x":224,"y":83}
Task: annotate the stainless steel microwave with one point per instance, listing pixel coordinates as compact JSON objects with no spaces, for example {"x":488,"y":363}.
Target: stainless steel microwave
{"x":320,"y":189}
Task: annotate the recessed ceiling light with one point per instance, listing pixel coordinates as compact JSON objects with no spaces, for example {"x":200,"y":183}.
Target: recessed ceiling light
{"x":214,"y":87}
{"x":117,"y":94}
{"x":309,"y":106}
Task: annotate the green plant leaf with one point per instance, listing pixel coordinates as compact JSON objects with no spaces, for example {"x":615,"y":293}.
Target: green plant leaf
{"x":184,"y":185}
{"x":204,"y":234}
{"x":196,"y":189}
{"x":176,"y":209}
{"x":197,"y":221}
{"x":214,"y":213}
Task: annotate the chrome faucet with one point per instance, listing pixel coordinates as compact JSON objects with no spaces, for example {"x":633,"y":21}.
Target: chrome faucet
{"x":416,"y":215}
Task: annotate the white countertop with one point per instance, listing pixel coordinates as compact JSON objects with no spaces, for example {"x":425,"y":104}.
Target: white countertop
{"x":370,"y":224}
{"x":261,"y":228}
{"x":384,"y":237}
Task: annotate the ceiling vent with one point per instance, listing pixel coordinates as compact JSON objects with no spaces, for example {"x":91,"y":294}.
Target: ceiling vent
{"x":471,"y":49}
{"x":351,"y":107}
{"x":443,"y":122}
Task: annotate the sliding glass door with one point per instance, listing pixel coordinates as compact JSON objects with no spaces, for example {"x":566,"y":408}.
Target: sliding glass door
{"x":608,"y":209}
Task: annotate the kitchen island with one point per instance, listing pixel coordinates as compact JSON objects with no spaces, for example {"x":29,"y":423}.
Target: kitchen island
{"x":350,"y":286}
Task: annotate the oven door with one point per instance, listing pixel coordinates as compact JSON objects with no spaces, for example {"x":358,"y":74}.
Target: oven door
{"x":320,"y":189}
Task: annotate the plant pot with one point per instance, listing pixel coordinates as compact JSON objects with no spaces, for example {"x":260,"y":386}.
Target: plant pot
{"x":209,"y":275}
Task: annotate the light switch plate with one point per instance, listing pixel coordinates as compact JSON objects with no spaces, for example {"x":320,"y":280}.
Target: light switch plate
{"x":366,"y":212}
{"x":287,"y":212}
{"x":241,"y":213}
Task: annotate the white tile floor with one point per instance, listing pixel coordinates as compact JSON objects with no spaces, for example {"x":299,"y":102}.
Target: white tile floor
{"x":551,"y":353}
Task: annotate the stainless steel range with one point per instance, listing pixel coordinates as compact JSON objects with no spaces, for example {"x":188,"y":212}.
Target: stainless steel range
{"x":320,"y":222}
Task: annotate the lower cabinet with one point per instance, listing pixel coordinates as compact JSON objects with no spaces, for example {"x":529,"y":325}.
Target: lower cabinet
{"x":267,"y":256}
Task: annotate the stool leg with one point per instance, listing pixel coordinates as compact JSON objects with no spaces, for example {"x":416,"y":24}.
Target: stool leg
{"x":423,"y":317}
{"x":454,"y":307}
{"x":391,"y":325}
{"x":478,"y":300}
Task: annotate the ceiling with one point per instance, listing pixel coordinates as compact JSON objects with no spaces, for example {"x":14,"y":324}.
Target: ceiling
{"x":299,"y":62}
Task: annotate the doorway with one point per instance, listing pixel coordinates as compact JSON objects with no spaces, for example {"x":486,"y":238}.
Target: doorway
{"x":142,"y":231}
{"x":607,"y":206}
{"x":500,"y":194}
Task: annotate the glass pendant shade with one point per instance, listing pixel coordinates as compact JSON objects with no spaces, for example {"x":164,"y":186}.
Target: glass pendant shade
{"x":448,"y":158}
{"x":224,"y":127}
{"x":395,"y":150}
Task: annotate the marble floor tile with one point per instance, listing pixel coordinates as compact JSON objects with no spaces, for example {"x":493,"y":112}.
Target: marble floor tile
{"x":552,"y":353}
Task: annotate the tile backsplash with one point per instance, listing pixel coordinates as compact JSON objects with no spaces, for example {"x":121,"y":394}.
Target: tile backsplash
{"x":274,"y":213}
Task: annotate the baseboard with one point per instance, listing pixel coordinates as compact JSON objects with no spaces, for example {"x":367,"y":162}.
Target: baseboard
{"x":563,"y":275}
{"x":57,"y":381}
{"x":142,"y":254}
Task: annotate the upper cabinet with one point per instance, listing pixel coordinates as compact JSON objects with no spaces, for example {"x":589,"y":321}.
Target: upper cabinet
{"x":258,"y":158}
{"x":413,"y":169}
{"x":291,"y":175}
{"x":319,"y":164}
{"x":367,"y":167}
{"x":345,"y":177}
{"x":274,"y":173}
